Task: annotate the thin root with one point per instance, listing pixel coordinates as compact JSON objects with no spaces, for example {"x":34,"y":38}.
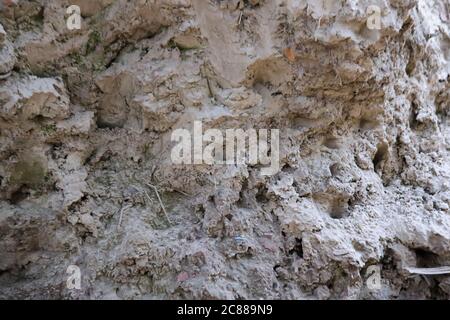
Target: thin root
{"x":121,"y":214}
{"x":160,"y":201}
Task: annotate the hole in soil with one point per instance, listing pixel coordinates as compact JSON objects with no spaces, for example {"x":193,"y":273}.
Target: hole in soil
{"x":413,"y":123}
{"x":339,"y":209}
{"x":261,"y":195}
{"x":336,"y":206}
{"x":287,"y":168}
{"x":411,"y":66}
{"x":426,"y":259}
{"x":243,"y":201}
{"x":19,"y":195}
{"x":298,"y":248}
{"x":381,"y":155}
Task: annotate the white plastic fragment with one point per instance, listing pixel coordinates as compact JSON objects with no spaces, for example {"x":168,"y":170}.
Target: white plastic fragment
{"x":429,"y":271}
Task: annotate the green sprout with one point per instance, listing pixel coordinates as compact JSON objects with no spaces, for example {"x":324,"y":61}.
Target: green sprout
{"x":49,"y":129}
{"x":94,"y":39}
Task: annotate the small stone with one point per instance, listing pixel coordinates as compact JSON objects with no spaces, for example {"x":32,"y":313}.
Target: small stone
{"x":72,"y":219}
{"x":88,"y":221}
{"x":183,"y":276}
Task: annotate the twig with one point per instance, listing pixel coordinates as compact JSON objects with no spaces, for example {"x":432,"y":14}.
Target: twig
{"x":211,"y":95}
{"x":148,"y":197}
{"x":183,"y":193}
{"x":240,"y":18}
{"x":121,"y":214}
{"x":160,"y":201}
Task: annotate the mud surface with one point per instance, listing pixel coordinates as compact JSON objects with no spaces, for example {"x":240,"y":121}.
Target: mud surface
{"x":86,"y":118}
